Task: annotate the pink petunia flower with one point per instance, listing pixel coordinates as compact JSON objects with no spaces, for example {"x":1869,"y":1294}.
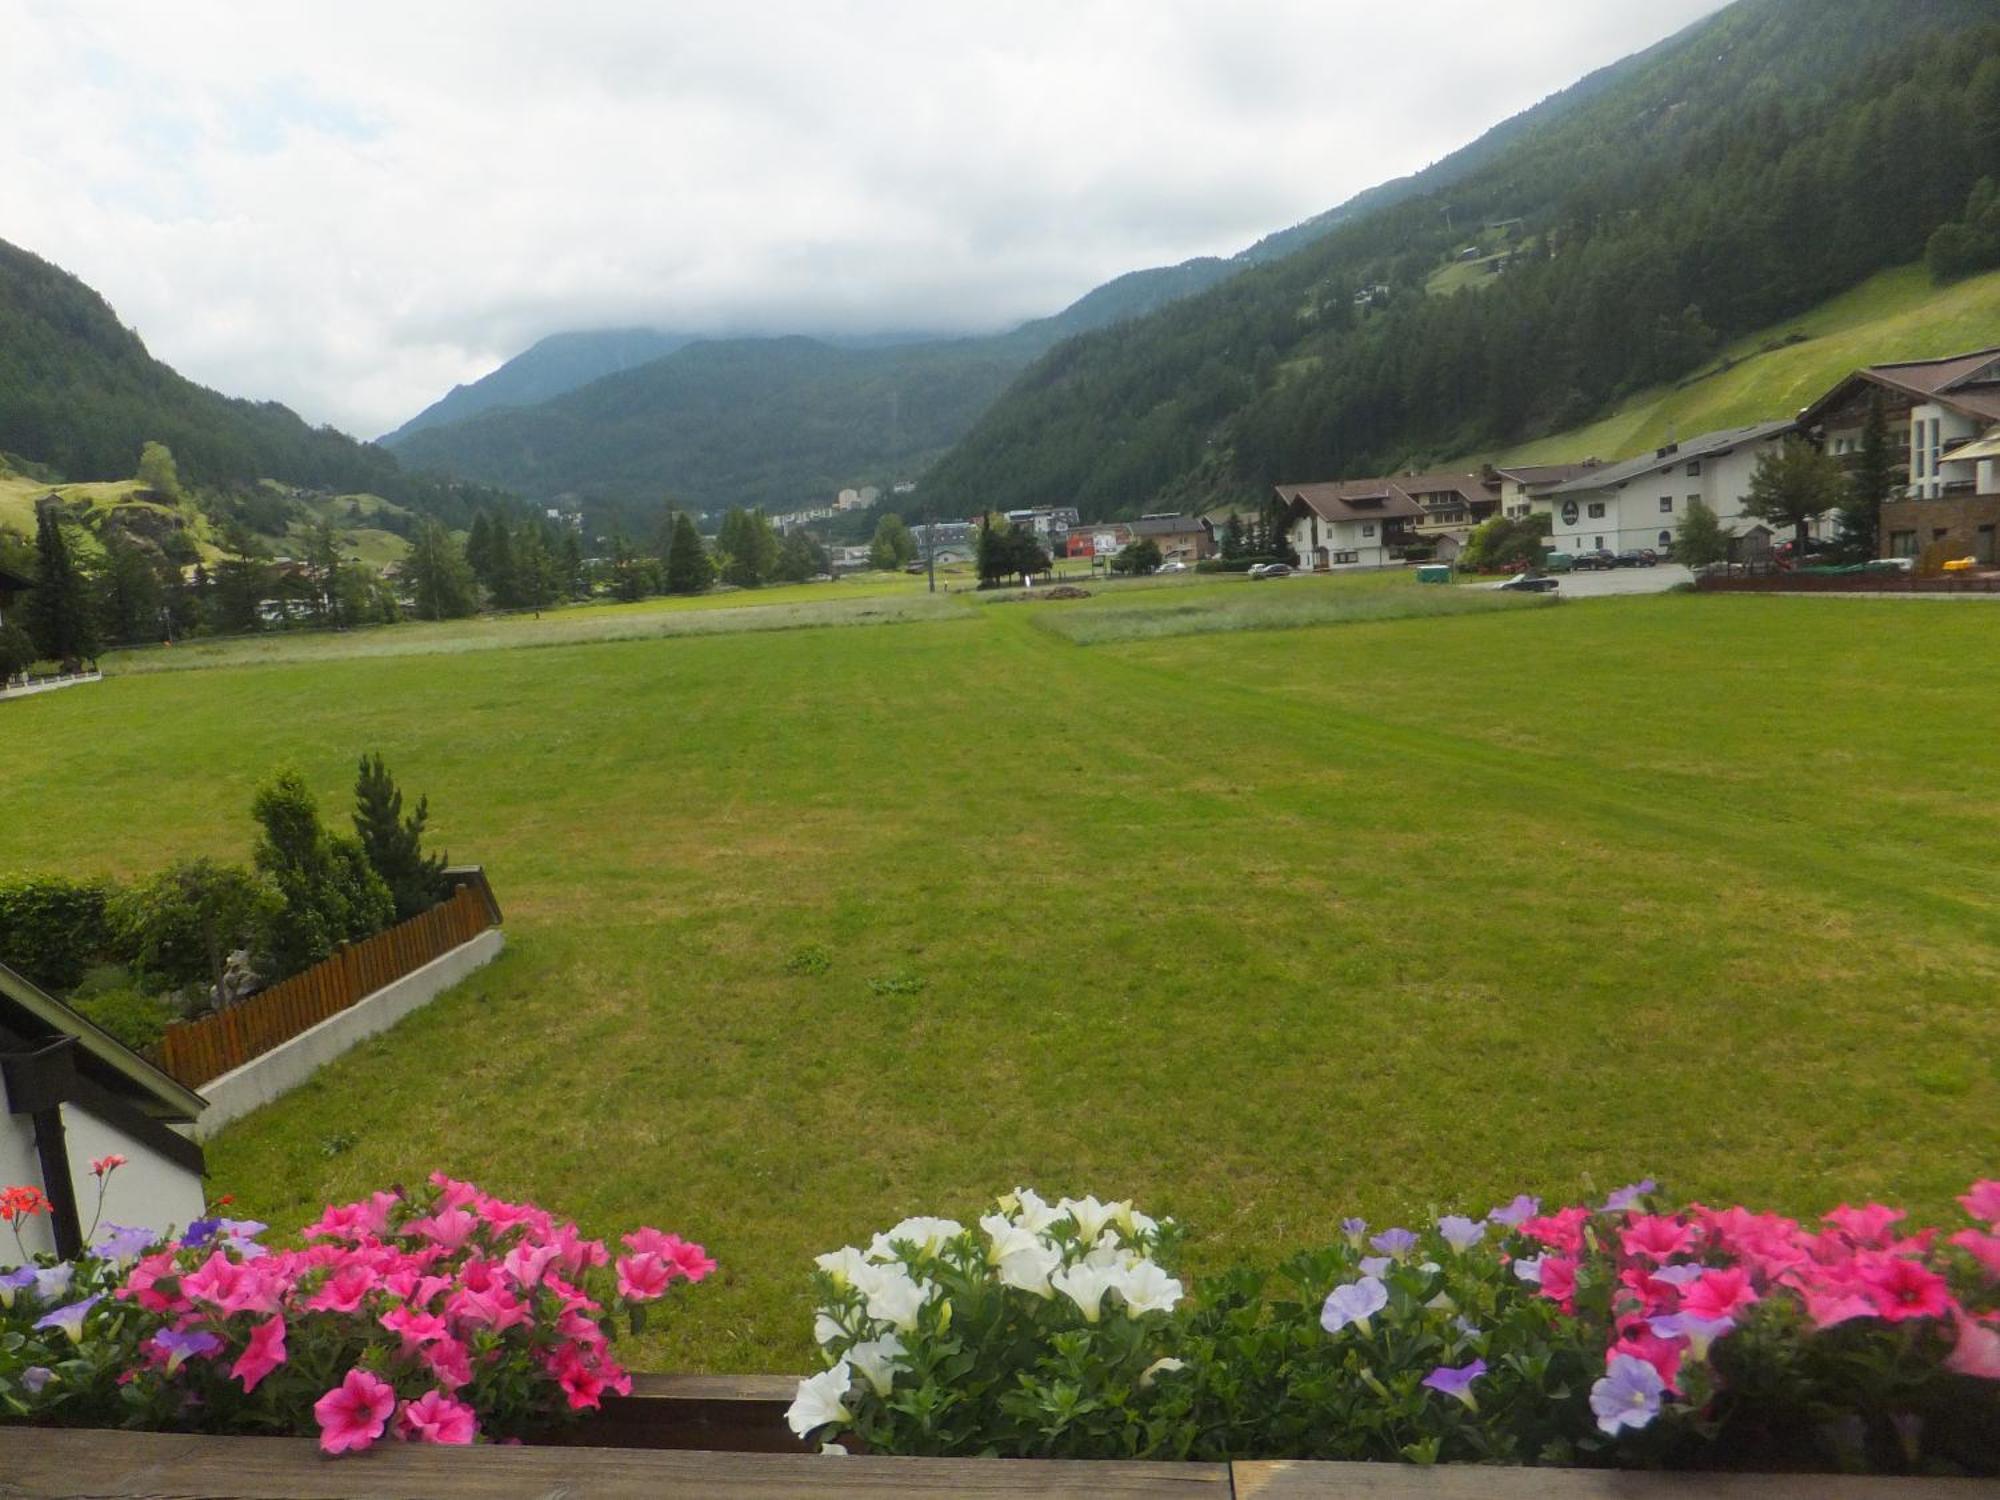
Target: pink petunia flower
{"x":643,"y":1278}
{"x":1977,"y":1351}
{"x":263,"y":1354}
{"x":1983,"y":1202}
{"x":1985,"y":1249}
{"x":1558,"y":1282}
{"x":690,"y":1259}
{"x":1656,"y":1237}
{"x":1559,"y":1231}
{"x":344,"y":1291}
{"x":414,"y":1328}
{"x":1867,"y":1226}
{"x":352,"y":1415}
{"x":450,"y":1362}
{"x":435,"y":1417}
{"x":1901,"y":1289}
{"x":1718,"y":1293}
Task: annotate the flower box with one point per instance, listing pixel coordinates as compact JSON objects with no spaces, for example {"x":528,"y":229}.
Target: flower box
{"x":116,"y":1465}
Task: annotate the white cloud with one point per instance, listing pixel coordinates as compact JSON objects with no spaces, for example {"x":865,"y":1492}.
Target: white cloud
{"x":350,"y":208}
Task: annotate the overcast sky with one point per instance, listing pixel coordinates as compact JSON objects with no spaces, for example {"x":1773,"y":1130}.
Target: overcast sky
{"x":351,"y":207}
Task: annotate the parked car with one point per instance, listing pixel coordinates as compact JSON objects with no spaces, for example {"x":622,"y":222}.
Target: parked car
{"x":1638,"y":557}
{"x":1559,"y":562}
{"x":1176,"y":566}
{"x":1899,"y":564}
{"x":1528,"y":583}
{"x":1271,"y":570}
{"x":1594,"y":562}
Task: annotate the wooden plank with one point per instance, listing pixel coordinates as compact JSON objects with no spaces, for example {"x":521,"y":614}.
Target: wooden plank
{"x":726,"y":1413}
{"x":167,"y":1466}
{"x":1317,"y":1481}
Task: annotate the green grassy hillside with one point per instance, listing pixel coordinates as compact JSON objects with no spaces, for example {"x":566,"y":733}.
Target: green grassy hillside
{"x":1896,"y":315}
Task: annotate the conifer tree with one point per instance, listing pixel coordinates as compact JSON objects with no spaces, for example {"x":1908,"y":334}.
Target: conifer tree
{"x":394,"y":843}
{"x":1793,"y":484}
{"x":60,"y":617}
{"x":439,"y":576}
{"x":1871,"y":479}
{"x":501,"y":580}
{"x":689,"y":570}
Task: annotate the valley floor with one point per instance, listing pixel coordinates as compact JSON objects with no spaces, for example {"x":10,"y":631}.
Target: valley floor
{"x":1257,"y":926}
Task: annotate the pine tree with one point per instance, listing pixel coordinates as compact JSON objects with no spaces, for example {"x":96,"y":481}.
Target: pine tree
{"x":502,"y":581}
{"x":689,"y":570}
{"x":394,"y":843}
{"x":1871,"y":479}
{"x":534,"y":571}
{"x":59,"y":611}
{"x":479,"y":549}
{"x":439,"y":577}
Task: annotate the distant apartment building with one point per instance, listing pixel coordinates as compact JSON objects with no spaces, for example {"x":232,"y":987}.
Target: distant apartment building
{"x":1357,"y":523}
{"x":1180,"y":538}
{"x":1945,"y":416}
{"x":1640,"y":503}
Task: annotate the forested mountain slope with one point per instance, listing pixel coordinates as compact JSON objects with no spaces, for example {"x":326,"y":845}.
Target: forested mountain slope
{"x":775,"y":422}
{"x":1747,"y":169}
{"x":80,"y":394}
{"x":549,"y":368}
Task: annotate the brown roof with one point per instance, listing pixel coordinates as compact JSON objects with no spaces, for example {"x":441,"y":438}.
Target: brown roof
{"x":1352,"y":499}
{"x":1469,"y":487}
{"x":1968,"y":383}
{"x":1533,"y":474}
{"x":1164,"y":525}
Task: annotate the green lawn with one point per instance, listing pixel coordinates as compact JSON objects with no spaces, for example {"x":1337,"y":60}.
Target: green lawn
{"x":1260,"y":927}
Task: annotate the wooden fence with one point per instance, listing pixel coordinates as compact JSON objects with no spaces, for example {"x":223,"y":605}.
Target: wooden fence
{"x":194,"y":1052}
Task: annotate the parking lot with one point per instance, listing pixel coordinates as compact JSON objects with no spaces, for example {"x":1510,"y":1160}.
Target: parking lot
{"x":1655,"y":580}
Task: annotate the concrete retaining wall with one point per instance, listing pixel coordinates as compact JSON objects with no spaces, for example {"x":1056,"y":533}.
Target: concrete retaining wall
{"x":291,"y":1063}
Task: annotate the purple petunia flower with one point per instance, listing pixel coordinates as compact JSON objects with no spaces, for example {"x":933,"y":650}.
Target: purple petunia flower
{"x":1460,"y":1232}
{"x":70,"y":1319}
{"x":1354,"y":1229}
{"x":1628,"y":1395}
{"x":123,"y":1243}
{"x":182,"y":1346}
{"x":52,"y":1281}
{"x":11,"y":1282}
{"x":200,"y":1232}
{"x":1700,"y":1332}
{"x":1514,"y":1214}
{"x":1396,"y":1242}
{"x":1458,"y":1382}
{"x":1626,"y":1197}
{"x":35,"y":1377}
{"x":1375,"y":1265}
{"x":1354,"y":1303}
{"x":1529,"y":1269}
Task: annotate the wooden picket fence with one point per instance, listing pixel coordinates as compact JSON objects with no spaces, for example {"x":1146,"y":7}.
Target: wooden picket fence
{"x":194,"y":1052}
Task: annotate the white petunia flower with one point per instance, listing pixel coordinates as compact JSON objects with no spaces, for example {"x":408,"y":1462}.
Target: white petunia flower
{"x":1091,"y":1216}
{"x":896,"y":1298}
{"x":1030,"y":1210}
{"x":876,"y":1360}
{"x":821,"y":1401}
{"x":1146,"y":1288}
{"x":1085,"y":1285}
{"x":1136,"y":1224}
{"x":1007,"y":1238}
{"x":846,"y":1265}
{"x":925,"y":1234}
{"x":1029,"y":1268}
{"x":826,"y":1330}
{"x":1160,"y":1367}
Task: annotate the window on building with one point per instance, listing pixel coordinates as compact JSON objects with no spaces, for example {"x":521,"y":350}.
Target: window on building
{"x":1936,"y":424}
{"x":1597,"y":510}
{"x":1598,"y":545}
{"x":1666,"y":539}
{"x":1939,"y":533}
{"x":1916,"y":450}
{"x":1694,"y":469}
{"x":1666,"y":505}
{"x":1902,"y":544}
{"x":1368,"y":528}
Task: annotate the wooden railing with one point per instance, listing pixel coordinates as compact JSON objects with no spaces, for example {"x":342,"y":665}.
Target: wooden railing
{"x":194,"y":1052}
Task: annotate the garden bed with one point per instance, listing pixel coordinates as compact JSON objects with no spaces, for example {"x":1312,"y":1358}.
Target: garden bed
{"x":114,"y":1465}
